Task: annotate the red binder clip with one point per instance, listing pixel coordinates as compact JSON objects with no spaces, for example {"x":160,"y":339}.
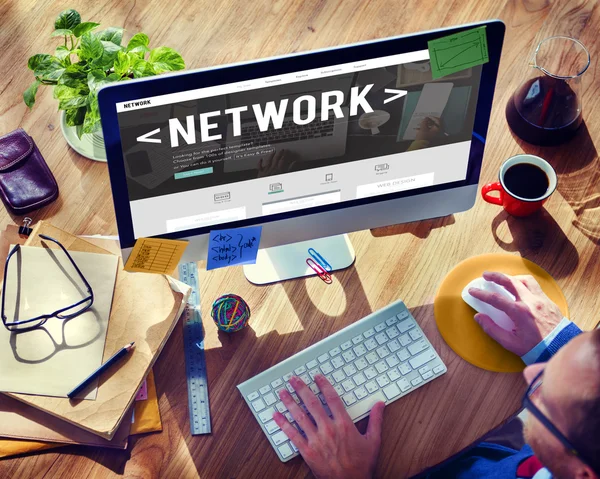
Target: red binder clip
{"x":321,"y":273}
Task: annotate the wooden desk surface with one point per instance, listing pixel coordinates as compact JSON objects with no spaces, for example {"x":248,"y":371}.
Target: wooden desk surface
{"x":406,"y":261}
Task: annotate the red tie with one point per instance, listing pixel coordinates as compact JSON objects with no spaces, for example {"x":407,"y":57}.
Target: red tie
{"x":529,"y":467}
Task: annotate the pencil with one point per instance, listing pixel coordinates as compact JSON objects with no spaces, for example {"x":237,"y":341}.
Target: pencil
{"x":112,"y":360}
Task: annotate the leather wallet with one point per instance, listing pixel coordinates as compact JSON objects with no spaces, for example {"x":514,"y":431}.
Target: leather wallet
{"x":26,"y":182}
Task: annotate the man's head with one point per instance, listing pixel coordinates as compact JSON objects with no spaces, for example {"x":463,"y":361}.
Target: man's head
{"x":570,"y":397}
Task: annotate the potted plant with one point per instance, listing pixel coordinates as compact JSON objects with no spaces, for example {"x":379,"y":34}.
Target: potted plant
{"x":86,"y":60}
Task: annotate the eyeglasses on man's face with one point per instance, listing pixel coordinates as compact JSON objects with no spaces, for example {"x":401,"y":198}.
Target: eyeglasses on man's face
{"x":68,"y":312}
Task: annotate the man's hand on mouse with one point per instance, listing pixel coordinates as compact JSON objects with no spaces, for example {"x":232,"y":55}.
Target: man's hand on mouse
{"x":332,"y":447}
{"x":534,"y":314}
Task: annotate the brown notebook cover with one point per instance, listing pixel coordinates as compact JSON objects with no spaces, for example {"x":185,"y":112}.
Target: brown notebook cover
{"x":145,"y":309}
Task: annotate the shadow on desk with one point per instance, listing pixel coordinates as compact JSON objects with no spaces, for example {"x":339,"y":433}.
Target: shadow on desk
{"x":538,"y":238}
{"x":420,"y":229}
{"x":578,"y":168}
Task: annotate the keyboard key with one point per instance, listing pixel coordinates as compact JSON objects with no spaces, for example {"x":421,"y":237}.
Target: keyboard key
{"x":424,"y":369}
{"x":289,"y":417}
{"x":314,"y":388}
{"x":392,"y":361}
{"x":381,"y":367}
{"x":266,"y":415}
{"x":404,"y":340}
{"x":405,"y":325}
{"x":427,"y":375}
{"x":253,"y":396}
{"x":392,"y":333}
{"x":281,"y":407}
{"x":258,"y":405}
{"x":337,"y":362}
{"x":361,"y":364}
{"x":403,"y":384}
{"x":360,"y":350}
{"x":339,"y":389}
{"x":380,"y":327}
{"x":371,"y":387}
{"x":346,"y":345}
{"x":329,"y":378}
{"x":349,"y":356}
{"x":290,"y":388}
{"x":348,"y":385}
{"x":278,"y":391}
{"x":322,"y":358}
{"x":372,"y":358}
{"x":371,"y":344}
{"x":416,"y":334}
{"x":277,"y":383}
{"x":279,"y":438}
{"x":349,"y":370}
{"x":349,"y":399}
{"x":312,"y":373}
{"x":383,"y":352}
{"x":339,"y":376}
{"x":381,"y":338}
{"x":326,"y":367}
{"x":265,"y":389}
{"x":335,"y":352}
{"x":368,"y":333}
{"x":394,"y":345}
{"x":393,"y":374}
{"x":417,"y":347}
{"x":391,"y":391}
{"x":272,"y":427}
{"x":358,"y":339}
{"x":404,"y":368}
{"x":286,"y":451}
{"x":365,"y":405}
{"x":300,"y":370}
{"x":383,"y":381}
{"x":438,"y":369}
{"x":370,"y":372}
{"x":416,"y":381}
{"x":295,"y":398}
{"x":361,"y":392}
{"x":270,"y":399}
{"x":403,"y":355}
{"x":287,"y":376}
{"x":311,"y":364}
{"x":402,"y":315}
{"x":390,"y":322}
{"x":359,"y":379}
{"x":422,"y":359}
{"x":306,"y":378}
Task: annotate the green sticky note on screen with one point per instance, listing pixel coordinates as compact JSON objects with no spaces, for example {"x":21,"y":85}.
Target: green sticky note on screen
{"x":458,"y":52}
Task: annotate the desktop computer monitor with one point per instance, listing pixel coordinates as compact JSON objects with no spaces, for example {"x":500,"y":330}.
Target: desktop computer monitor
{"x":310,"y":146}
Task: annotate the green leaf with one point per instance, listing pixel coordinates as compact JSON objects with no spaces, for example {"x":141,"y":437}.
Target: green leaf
{"x":122,"y":63}
{"x":165,"y":59}
{"x":64,"y":92}
{"x":50,"y":69}
{"x":75,"y":116}
{"x":91,"y":47}
{"x":109,"y":56}
{"x":75,"y":102}
{"x":62,"y":52}
{"x":75,"y":77}
{"x":142,"y":68}
{"x":67,"y":19}
{"x":97,"y":79}
{"x":36,"y":59}
{"x":138,"y":40}
{"x":91,"y":123}
{"x":84,"y":27}
{"x":111,"y":34}
{"x":29,"y":94}
{"x":61,"y":32}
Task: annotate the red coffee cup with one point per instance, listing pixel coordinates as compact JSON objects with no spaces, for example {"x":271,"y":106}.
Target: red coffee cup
{"x":513,"y":203}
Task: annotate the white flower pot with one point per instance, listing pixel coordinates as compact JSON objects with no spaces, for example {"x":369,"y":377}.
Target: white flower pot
{"x":89,"y":145}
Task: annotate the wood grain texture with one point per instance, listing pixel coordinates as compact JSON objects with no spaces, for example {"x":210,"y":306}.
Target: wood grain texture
{"x":406,"y":261}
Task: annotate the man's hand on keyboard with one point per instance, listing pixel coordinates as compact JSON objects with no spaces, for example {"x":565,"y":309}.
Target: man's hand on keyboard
{"x":332,"y":447}
{"x":534,"y":314}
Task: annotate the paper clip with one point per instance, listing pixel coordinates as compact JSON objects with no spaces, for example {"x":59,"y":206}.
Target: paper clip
{"x":25,"y":230}
{"x":319,"y":259}
{"x":317,"y":268}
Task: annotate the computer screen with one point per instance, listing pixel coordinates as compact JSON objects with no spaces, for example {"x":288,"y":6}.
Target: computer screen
{"x":292,"y":142}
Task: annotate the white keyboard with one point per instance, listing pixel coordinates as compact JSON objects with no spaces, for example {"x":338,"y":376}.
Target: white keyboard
{"x":381,"y":357}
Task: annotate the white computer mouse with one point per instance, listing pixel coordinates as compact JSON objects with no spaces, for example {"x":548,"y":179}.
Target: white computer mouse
{"x":499,"y":317}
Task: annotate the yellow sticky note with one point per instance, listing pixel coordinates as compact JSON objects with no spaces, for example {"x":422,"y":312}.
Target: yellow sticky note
{"x":155,"y":255}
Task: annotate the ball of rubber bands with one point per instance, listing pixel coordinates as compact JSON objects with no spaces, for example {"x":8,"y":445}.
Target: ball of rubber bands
{"x":230,"y":313}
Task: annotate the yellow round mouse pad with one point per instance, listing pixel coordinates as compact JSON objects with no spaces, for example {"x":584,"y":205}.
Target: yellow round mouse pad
{"x":454,"y":317}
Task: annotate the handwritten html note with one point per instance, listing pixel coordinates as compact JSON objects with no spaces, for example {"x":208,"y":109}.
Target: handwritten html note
{"x":233,"y":247}
{"x":155,"y":255}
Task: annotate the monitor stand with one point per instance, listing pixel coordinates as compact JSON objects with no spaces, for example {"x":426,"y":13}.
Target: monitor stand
{"x":289,"y":261}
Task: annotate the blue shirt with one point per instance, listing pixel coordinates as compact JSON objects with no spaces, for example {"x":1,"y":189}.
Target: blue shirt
{"x":492,"y":461}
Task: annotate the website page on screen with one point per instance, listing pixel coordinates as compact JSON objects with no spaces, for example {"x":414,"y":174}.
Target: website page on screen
{"x":250,"y":149}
